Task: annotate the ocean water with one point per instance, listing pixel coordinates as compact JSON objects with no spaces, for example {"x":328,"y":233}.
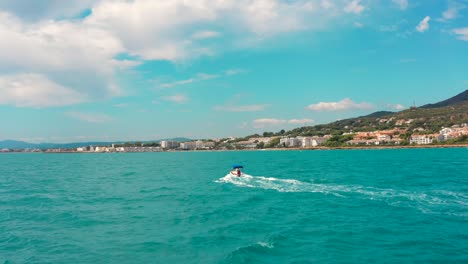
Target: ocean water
{"x":337,"y":206}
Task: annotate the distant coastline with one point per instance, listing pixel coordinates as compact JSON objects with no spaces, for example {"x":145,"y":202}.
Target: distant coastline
{"x":273,"y":149}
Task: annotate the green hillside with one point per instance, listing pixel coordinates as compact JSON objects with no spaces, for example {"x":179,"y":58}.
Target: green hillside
{"x":429,"y":117}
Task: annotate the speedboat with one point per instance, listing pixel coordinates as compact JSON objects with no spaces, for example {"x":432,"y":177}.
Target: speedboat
{"x":235,"y":171}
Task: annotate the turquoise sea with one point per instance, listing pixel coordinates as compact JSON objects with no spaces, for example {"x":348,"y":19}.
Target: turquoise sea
{"x":336,"y":206}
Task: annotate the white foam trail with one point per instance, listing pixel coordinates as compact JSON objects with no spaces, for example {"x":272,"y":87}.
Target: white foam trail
{"x":265,"y":244}
{"x":436,"y":201}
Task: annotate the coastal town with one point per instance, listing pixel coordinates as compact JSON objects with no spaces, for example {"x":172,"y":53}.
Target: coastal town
{"x":397,"y":136}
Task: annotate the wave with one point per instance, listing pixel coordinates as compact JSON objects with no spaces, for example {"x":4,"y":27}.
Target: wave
{"x":439,"y":201}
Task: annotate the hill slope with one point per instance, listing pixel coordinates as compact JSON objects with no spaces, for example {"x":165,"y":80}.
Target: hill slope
{"x":459,"y":98}
{"x":430,"y":117}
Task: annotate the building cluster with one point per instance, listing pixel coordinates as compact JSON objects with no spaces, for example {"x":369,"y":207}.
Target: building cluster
{"x":302,"y":142}
{"x":444,"y":134}
{"x":377,"y":137}
{"x":393,"y":136}
{"x":252,"y":142}
{"x":164,"y":146}
{"x":189,"y":145}
{"x":102,"y":149}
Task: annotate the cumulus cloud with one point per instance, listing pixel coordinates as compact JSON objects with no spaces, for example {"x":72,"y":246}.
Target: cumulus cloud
{"x":241,"y":108}
{"x":462,"y":33}
{"x":343,"y":105}
{"x":74,"y":55}
{"x":177,"y":98}
{"x":34,"y":90}
{"x":55,"y":40}
{"x":423,"y":25}
{"x":403,"y":4}
{"x":267,"y":122}
{"x":398,"y":107}
{"x":354,"y":6}
{"x":89,"y":117}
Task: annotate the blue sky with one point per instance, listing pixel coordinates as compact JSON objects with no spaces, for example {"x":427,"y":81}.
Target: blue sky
{"x":141,"y":70}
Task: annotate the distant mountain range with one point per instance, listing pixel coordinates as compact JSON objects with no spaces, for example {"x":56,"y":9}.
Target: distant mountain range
{"x":14,"y":144}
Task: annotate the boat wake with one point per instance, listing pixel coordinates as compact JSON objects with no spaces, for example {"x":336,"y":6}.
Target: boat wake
{"x":451,"y":203}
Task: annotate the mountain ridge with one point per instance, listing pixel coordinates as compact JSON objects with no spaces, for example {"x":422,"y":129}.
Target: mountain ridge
{"x":461,"y":97}
{"x":430,"y":117}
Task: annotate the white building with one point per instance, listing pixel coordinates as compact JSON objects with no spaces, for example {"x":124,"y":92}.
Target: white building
{"x":81,"y":149}
{"x":422,"y":139}
{"x":445,"y":133}
{"x":290,"y":142}
{"x":191,"y":145}
{"x":169,"y":144}
{"x":139,"y":149}
{"x":208,"y":144}
{"x":101,"y":149}
{"x":383,"y":137}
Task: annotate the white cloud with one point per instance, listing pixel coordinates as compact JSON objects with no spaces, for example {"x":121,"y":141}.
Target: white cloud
{"x":241,"y":108}
{"x":267,"y":122}
{"x":354,"y":6}
{"x":177,"y":98}
{"x":205,"y":34}
{"x":34,"y":90}
{"x":358,"y":24}
{"x":424,"y":24}
{"x":452,"y":11}
{"x":300,"y":121}
{"x":343,"y":105}
{"x":327,"y":4}
{"x":388,"y":28}
{"x":234,"y":71}
{"x":74,"y":55}
{"x":398,"y":107}
{"x":50,"y":39}
{"x":197,"y":78}
{"x":403,"y":4}
{"x":164,"y":30}
{"x":89,"y":117}
{"x":177,"y":83}
{"x":201,"y":77}
{"x":462,"y":33}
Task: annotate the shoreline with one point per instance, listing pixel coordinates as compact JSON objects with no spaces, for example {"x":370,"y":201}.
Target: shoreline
{"x":275,"y":149}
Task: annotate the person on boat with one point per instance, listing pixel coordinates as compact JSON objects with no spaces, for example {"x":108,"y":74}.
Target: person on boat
{"x":238,"y":172}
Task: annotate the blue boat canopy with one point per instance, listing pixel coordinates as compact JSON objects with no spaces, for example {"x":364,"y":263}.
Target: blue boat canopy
{"x":237,"y":166}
